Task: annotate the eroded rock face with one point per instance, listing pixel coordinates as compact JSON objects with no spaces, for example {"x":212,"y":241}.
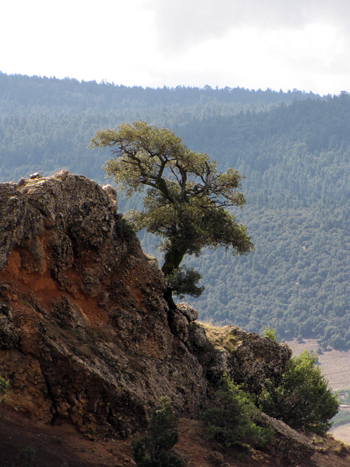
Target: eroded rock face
{"x":247,"y":358}
{"x":84,"y":332}
{"x":256,"y":359}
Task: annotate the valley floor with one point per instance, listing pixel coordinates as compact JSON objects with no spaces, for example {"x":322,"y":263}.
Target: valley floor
{"x":334,"y":364}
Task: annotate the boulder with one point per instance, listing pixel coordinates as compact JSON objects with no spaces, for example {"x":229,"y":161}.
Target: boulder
{"x":288,"y":444}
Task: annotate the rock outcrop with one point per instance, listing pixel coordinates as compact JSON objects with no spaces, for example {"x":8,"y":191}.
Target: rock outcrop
{"x":289,"y":445}
{"x":246,"y":357}
{"x":85,"y":333}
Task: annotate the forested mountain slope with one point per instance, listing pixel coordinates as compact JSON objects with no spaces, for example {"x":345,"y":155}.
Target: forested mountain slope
{"x":291,"y":156}
{"x":297,"y":280}
{"x":294,"y":155}
{"x":296,"y":161}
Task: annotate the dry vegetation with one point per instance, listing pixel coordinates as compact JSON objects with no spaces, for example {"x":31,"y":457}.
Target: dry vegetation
{"x":225,"y":337}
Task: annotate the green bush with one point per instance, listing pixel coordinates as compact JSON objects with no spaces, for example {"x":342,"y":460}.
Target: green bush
{"x":125,"y":229}
{"x":155,"y":448}
{"x":268,"y":331}
{"x":303,"y":399}
{"x":234,"y":421}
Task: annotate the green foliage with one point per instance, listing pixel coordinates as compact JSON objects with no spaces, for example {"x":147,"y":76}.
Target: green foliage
{"x":186,"y":199}
{"x":234,"y":421}
{"x":125,"y":229}
{"x":4,"y":385}
{"x":26,"y":457}
{"x":183,"y":281}
{"x":155,"y":448}
{"x":268,"y":331}
{"x":23,"y":94}
{"x":303,"y":399}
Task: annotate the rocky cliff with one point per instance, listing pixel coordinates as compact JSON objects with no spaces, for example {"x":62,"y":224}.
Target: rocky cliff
{"x":86,"y":336}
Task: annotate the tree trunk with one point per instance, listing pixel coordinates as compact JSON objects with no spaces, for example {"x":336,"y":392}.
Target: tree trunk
{"x":172,"y":261}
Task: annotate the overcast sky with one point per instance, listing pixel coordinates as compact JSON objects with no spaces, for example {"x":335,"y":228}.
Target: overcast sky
{"x":277,"y":44}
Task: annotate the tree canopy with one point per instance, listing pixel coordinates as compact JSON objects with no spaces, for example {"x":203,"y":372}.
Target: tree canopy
{"x":186,"y":199}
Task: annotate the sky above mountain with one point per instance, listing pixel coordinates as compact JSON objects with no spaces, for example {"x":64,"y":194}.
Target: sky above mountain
{"x":277,"y":44}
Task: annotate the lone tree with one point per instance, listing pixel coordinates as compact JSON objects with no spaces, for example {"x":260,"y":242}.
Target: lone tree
{"x":186,"y":201}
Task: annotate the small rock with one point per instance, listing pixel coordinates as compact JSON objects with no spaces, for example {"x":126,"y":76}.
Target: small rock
{"x":111,"y":191}
{"x":21,"y":181}
{"x":197,"y":336}
{"x":35,"y":175}
{"x":62,"y":174}
{"x":292,"y":446}
{"x":188,"y":311}
{"x":179,"y":325}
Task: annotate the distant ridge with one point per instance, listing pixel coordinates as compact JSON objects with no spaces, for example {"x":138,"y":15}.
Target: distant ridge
{"x":21,"y":93}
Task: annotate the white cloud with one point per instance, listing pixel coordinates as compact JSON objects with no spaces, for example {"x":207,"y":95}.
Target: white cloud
{"x":184,"y":23}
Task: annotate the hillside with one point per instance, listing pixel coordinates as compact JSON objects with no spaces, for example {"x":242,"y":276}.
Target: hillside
{"x":89,"y":345}
{"x":297,"y":280}
{"x":46,"y":124}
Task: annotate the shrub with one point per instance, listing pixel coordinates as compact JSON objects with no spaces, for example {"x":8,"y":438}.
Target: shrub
{"x":4,"y":385}
{"x":126,"y":229}
{"x":302,"y":399}
{"x":268,"y":331}
{"x":233,"y":422}
{"x":154,"y":449}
